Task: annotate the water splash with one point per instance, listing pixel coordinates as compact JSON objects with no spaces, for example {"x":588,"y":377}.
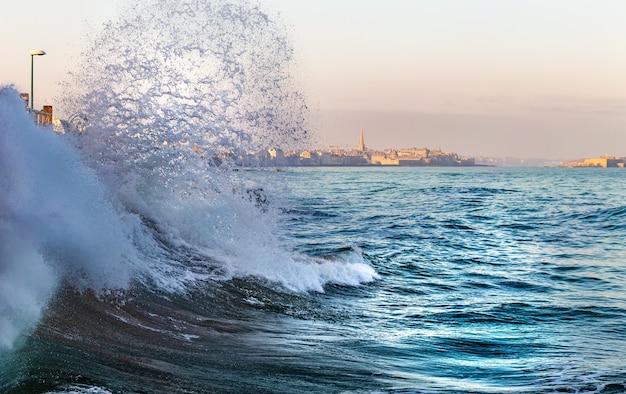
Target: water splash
{"x":214,"y":77}
{"x":56,"y":222}
{"x":175,"y":91}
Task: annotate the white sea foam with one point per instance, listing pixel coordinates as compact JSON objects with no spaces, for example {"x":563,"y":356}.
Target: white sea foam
{"x":218,"y":235}
{"x":26,"y":283}
{"x":55,"y":222}
{"x":81,"y":389}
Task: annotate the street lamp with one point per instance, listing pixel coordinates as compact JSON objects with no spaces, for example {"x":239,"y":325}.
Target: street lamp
{"x":32,"y":63}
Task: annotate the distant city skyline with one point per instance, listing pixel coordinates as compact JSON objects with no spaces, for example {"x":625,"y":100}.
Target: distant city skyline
{"x":518,"y":78}
{"x":479,"y":135}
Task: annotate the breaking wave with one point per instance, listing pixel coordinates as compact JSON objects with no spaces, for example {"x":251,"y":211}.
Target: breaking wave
{"x":147,"y":193}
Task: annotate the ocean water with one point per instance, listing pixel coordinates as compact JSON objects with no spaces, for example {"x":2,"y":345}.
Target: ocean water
{"x":137,"y":256}
{"x":433,"y":280}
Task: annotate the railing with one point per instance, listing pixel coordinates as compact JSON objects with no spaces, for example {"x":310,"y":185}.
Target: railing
{"x":41,"y":118}
{"x":45,"y":119}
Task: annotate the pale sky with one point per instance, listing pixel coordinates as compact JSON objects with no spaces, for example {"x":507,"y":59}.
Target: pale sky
{"x":517,"y":78}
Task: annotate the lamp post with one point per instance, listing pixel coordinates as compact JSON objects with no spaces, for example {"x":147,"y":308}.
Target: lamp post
{"x":32,"y":73}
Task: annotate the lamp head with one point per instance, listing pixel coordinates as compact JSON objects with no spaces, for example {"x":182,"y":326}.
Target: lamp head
{"x":37,"y":53}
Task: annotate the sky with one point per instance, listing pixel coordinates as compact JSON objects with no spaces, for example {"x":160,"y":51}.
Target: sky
{"x":516,"y":78}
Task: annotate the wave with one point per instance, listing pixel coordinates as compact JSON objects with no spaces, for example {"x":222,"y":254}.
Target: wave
{"x":612,"y":217}
{"x":147,"y":194}
{"x":56,"y":222}
{"x":62,"y":227}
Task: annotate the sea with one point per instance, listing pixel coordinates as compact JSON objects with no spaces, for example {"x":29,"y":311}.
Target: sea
{"x":138,"y":256}
{"x":344,"y":279}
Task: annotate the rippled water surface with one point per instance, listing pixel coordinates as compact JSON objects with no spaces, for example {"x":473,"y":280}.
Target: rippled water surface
{"x":486,"y":280}
{"x":492,"y":279}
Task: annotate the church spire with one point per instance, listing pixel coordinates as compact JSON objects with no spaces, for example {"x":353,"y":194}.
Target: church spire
{"x":361,"y":142}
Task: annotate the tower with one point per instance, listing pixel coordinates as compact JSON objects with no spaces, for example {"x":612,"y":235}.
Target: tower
{"x":361,"y":143}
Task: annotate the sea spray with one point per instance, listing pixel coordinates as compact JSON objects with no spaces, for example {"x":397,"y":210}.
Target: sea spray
{"x":56,"y":222}
{"x":174,"y":79}
{"x":175,"y":93}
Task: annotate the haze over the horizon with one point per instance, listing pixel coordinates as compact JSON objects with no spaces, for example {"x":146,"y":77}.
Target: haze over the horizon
{"x":518,"y":78}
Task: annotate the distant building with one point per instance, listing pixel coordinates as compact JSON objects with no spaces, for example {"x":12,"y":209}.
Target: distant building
{"x":387,"y":158}
{"x":361,"y":147}
{"x":276,"y":153}
{"x":605,"y":162}
{"x":602,"y":161}
{"x":330,"y":159}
